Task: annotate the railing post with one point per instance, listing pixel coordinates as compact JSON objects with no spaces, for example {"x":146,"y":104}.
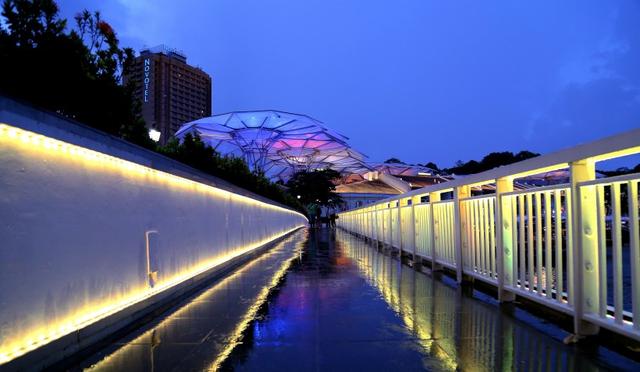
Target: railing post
{"x":372,"y":215}
{"x":399,"y":224}
{"x":371,"y":226}
{"x":380,"y":221}
{"x":585,"y":247}
{"x":413,"y":226}
{"x":376,"y":225}
{"x":459,"y":226}
{"x":504,"y":239}
{"x":389,"y":224}
{"x":433,"y":197}
{"x":365,"y":223}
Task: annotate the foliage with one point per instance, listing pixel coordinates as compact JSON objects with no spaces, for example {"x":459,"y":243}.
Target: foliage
{"x":315,"y":187}
{"x":621,"y":171}
{"x":103,"y":45}
{"x":394,"y":161}
{"x":76,"y":74}
{"x":432,"y":165}
{"x":490,"y":161}
{"x":194,"y":152}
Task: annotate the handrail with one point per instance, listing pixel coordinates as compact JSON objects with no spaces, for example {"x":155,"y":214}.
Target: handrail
{"x":622,"y":178}
{"x":548,"y":244}
{"x":560,"y":186}
{"x":618,"y":145}
{"x":442,"y":201}
{"x":477,"y":197}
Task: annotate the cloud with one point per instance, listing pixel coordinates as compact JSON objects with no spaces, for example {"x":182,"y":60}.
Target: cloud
{"x":587,"y":111}
{"x":599,"y":89}
{"x":123,"y":16}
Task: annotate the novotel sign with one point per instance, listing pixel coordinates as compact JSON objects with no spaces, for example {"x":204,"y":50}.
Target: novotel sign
{"x":147,"y":78}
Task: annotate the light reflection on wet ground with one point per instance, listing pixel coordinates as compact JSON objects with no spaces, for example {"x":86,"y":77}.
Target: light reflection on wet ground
{"x":343,"y":305}
{"x":199,"y":335}
{"x":347,"y":306}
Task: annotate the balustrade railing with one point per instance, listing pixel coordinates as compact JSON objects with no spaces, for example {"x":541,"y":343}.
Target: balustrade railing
{"x":541,"y":244}
{"x":573,"y":247}
{"x":612,"y":233}
{"x":444,"y":238}
{"x":479,"y":253}
{"x":423,"y":231}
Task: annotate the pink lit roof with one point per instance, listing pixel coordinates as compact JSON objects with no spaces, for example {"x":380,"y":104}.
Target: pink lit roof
{"x":278,"y":143}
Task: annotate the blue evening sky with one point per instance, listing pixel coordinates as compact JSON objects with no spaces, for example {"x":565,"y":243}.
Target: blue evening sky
{"x":420,"y":80}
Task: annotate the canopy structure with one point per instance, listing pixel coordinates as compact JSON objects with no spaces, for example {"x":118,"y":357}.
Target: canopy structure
{"x":277,"y":143}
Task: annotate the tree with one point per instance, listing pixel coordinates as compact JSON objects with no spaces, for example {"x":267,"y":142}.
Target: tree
{"x":197,"y":154}
{"x":432,"y":165}
{"x":620,"y":171}
{"x":315,"y":187}
{"x":32,"y":22}
{"x":496,"y":159}
{"x":524,"y":155}
{"x":490,"y":161}
{"x":76,"y":74}
{"x":393,"y":161}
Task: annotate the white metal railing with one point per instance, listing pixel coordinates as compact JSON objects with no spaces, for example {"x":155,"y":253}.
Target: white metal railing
{"x":407,"y":230}
{"x":615,"y":241}
{"x":423,"y":231}
{"x":395,"y":227}
{"x":444,"y":239}
{"x":572,"y":247}
{"x":478,"y":229}
{"x":541,"y":243}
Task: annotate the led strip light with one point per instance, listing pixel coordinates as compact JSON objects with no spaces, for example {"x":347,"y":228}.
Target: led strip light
{"x":91,"y":314}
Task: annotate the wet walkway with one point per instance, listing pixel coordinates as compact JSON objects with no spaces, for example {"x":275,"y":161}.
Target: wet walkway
{"x":342,"y":305}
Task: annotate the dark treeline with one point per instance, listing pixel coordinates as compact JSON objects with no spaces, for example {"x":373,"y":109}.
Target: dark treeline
{"x":621,"y":171}
{"x":76,"y":71}
{"x":315,"y":187}
{"x":498,"y":159}
{"x":490,"y":161}
{"x":194,"y":152}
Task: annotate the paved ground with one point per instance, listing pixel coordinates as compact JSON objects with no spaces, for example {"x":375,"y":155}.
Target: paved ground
{"x":343,"y":305}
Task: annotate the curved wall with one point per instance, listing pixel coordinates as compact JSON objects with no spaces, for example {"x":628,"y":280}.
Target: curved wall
{"x":80,"y":232}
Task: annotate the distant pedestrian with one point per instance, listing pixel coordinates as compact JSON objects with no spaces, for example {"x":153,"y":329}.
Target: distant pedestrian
{"x":311,"y":213}
{"x":318,"y":217}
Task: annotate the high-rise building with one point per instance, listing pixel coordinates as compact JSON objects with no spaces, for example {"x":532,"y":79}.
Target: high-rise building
{"x":171,"y":91}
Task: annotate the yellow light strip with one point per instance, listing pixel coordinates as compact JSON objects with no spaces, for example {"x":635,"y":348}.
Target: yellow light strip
{"x":54,"y":145}
{"x":95,"y":312}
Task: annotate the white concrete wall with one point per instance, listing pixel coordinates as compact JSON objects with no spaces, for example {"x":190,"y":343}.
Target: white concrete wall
{"x":72,"y":236}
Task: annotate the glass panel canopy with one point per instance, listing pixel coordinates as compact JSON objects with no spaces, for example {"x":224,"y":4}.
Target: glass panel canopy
{"x":277,"y":143}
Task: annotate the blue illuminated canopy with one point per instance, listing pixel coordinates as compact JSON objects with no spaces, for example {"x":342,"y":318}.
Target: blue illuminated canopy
{"x":277,"y":143}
